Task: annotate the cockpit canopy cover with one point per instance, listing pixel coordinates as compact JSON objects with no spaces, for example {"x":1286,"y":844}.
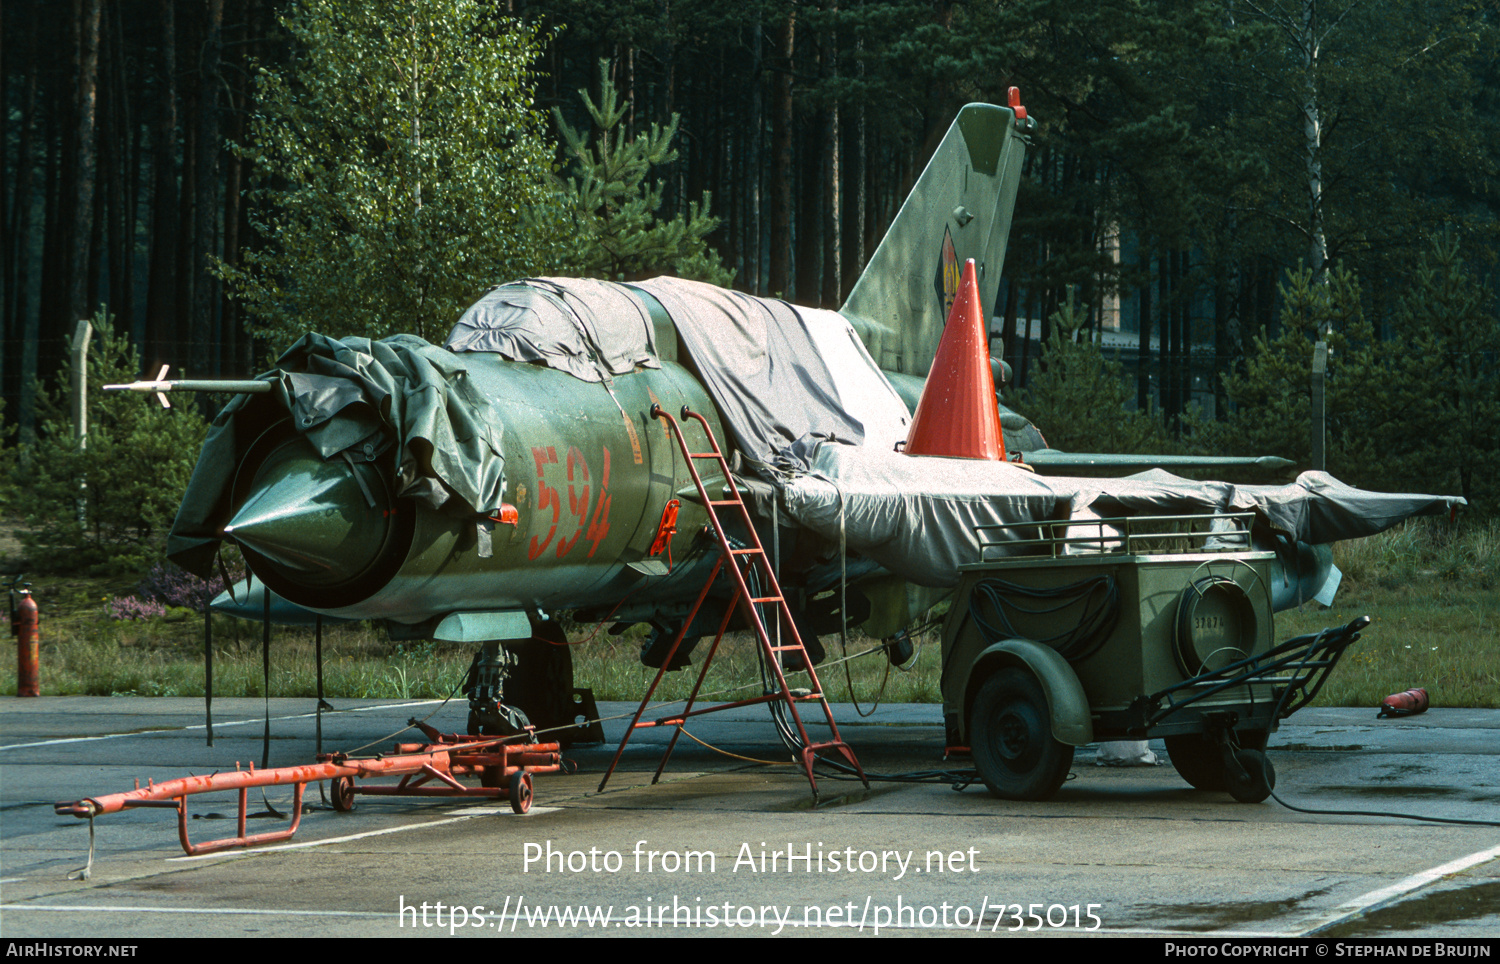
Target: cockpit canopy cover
{"x":590,"y":329}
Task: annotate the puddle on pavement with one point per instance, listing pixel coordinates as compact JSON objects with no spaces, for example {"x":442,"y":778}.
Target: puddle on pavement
{"x":1438,"y":907}
{"x":1219,"y":915}
{"x":1405,"y":769}
{"x":1400,"y":792}
{"x":1478,"y":793}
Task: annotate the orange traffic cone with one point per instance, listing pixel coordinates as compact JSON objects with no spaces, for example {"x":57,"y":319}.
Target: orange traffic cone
{"x":957,"y":417}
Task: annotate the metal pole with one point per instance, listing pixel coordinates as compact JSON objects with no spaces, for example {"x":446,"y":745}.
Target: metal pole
{"x":208,"y":671}
{"x":1319,"y":408}
{"x":82,"y":333}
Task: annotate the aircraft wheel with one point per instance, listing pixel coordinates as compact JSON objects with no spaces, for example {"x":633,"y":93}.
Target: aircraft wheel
{"x":520,"y":792}
{"x":342,"y":794}
{"x":1253,"y":780}
{"x":1012,"y":743}
{"x":541,"y":683}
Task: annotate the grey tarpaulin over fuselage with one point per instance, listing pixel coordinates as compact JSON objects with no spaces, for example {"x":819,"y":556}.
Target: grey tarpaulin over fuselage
{"x":345,"y":393}
{"x":760,"y":363}
{"x":760,"y":358}
{"x":587,"y":328}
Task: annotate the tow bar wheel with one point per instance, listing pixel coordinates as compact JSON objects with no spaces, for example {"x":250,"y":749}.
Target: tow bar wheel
{"x":1252,"y":779}
{"x":520,"y":792}
{"x":1012,"y":741}
{"x":342,"y":792}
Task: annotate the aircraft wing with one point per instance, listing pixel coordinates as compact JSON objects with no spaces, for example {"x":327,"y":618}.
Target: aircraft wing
{"x":918,"y":516}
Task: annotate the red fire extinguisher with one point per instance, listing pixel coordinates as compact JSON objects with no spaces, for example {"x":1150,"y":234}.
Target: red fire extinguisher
{"x":27,"y":655}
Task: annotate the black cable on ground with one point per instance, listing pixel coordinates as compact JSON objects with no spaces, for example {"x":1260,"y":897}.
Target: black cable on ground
{"x":960,"y":779}
{"x":1386,"y":813}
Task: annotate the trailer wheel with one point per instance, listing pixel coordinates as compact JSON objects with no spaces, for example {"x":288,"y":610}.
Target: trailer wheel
{"x":1013,"y":747}
{"x":1257,"y":780}
{"x":1196,"y":757}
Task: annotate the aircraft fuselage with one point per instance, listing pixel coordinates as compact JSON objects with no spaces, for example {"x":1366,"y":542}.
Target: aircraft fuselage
{"x":589,"y":480}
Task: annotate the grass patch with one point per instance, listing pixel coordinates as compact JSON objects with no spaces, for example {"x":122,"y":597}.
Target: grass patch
{"x":1433,"y":590}
{"x":86,"y":653}
{"x":1434,"y":594}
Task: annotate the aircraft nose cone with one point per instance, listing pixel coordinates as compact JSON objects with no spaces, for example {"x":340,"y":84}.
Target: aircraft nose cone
{"x":309,"y":518}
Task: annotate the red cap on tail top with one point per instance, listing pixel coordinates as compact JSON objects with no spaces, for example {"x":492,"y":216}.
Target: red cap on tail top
{"x":957,"y":417}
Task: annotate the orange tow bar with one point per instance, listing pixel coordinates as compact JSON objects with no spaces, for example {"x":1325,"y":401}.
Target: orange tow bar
{"x":504,"y":768}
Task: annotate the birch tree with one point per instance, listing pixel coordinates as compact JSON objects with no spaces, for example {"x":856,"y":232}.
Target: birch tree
{"x":402,"y":167}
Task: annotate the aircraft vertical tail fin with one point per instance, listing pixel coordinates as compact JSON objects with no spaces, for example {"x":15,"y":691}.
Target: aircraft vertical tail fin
{"x":960,"y":208}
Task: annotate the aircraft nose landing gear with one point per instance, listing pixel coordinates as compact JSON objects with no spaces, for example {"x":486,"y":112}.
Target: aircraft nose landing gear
{"x":488,"y":716}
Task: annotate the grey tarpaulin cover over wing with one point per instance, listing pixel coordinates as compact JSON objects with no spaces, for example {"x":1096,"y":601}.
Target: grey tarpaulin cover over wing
{"x":400,"y":391}
{"x":759,"y":363}
{"x":1317,"y":508}
{"x":916,"y":516}
{"x":589,"y":329}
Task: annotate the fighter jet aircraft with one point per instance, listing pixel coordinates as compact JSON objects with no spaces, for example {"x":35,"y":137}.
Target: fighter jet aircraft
{"x":464,"y":492}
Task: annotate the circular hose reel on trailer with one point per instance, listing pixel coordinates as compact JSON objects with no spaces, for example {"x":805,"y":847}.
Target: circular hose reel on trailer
{"x":1216,"y":622}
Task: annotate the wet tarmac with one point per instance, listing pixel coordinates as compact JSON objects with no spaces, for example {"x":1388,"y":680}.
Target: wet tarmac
{"x":728,"y":846}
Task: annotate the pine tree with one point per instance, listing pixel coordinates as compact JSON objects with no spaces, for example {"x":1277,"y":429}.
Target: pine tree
{"x":1445,"y":360}
{"x":106,"y":505}
{"x":619,"y":236}
{"x":1082,"y":400}
{"x":1272,"y":397}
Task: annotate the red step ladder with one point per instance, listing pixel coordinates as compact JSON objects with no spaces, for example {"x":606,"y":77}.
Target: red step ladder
{"x":742,"y":562}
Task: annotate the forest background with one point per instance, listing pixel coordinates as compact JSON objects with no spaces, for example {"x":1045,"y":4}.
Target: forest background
{"x":1213,"y":181}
